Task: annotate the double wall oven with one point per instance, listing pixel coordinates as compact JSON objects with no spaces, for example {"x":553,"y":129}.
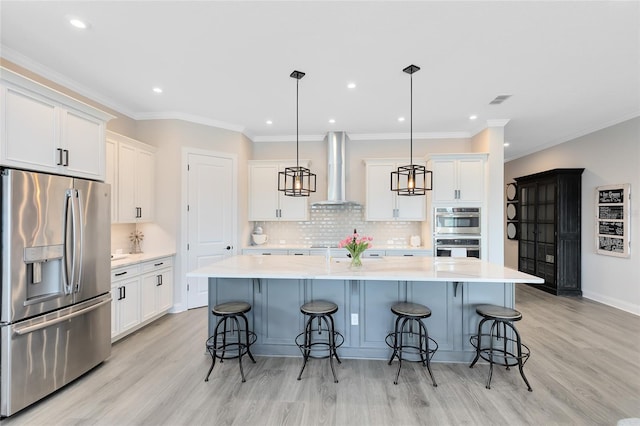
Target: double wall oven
{"x":456,"y":232}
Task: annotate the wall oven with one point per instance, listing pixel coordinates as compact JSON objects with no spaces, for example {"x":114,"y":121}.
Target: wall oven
{"x":457,"y":247}
{"x":457,"y":220}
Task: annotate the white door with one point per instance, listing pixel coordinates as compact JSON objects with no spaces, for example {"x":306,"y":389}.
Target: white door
{"x":211,"y":219}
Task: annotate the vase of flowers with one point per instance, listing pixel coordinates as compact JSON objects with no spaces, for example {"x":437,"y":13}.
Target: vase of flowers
{"x":356,"y":245}
{"x":136,"y":238}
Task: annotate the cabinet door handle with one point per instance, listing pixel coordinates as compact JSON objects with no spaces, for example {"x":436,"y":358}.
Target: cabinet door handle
{"x":66,"y":157}
{"x":59,"y":163}
{"x":124,"y":292}
{"x":159,"y":280}
{"x":120,"y":296}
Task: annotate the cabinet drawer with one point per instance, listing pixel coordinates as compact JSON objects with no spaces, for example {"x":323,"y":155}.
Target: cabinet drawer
{"x":152,"y":265}
{"x":124,"y":272}
{"x":373,"y":253}
{"x":298,"y":252}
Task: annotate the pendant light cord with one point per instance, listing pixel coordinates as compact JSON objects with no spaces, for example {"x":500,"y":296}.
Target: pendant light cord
{"x":297,"y":137}
{"x":411,"y":123}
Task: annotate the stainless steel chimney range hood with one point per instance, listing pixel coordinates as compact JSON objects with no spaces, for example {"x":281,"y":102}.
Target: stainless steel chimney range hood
{"x":336,"y":170}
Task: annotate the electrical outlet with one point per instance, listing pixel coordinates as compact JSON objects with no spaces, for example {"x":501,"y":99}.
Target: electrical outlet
{"x":354,"y":319}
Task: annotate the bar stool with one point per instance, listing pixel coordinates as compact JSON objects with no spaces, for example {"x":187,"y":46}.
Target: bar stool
{"x":230,"y":342}
{"x":500,"y":319}
{"x":313,"y":346}
{"x":401,"y":340}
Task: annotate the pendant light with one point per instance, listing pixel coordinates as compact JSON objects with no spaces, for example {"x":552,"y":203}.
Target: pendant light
{"x":412,"y":179}
{"x":297,"y":181}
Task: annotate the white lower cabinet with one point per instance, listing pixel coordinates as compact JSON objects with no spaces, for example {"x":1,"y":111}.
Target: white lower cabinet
{"x":125,"y":300}
{"x":140,"y":294}
{"x":157,"y":287}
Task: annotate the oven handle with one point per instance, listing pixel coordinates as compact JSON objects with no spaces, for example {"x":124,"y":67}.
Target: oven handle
{"x":29,"y":329}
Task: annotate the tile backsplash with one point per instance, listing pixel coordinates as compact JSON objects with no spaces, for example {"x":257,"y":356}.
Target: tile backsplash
{"x":328,"y":224}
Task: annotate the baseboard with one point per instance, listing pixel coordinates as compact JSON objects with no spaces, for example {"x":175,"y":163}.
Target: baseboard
{"x":610,"y":301}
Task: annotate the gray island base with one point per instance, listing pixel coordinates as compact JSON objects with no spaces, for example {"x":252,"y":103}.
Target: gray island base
{"x":276,"y":287}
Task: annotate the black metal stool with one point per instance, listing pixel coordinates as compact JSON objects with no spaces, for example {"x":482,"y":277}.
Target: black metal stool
{"x":310,"y":345}
{"x":425,"y":347}
{"x":501,"y":318}
{"x":229,"y":341}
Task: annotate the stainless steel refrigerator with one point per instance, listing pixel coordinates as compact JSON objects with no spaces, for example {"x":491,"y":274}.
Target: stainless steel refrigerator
{"x":55,"y":311}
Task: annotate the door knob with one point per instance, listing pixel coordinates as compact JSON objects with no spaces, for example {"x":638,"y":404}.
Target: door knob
{"x":229,"y":247}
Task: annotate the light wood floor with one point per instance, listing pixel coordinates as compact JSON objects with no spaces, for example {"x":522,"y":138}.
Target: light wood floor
{"x":584,"y":369}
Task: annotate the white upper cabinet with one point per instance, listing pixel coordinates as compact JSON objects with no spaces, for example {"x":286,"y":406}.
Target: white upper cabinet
{"x":133,"y":190}
{"x":265,"y":201}
{"x":457,"y":178}
{"x":47,"y":131}
{"x":382,"y":203}
{"x":111,"y":175}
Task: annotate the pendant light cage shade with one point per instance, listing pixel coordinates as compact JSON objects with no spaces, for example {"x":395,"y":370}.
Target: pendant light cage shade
{"x":413,"y":179}
{"x":297,"y":181}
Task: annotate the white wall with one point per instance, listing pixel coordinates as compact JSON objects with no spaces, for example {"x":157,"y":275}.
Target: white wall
{"x":609,"y":156}
{"x":170,"y":137}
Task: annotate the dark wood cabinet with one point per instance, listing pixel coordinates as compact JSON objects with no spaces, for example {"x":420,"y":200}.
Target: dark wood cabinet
{"x":549,"y":222}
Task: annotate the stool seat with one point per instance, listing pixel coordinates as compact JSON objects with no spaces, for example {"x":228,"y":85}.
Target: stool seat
{"x":411,"y":310}
{"x":319,"y":307}
{"x":498,"y":312}
{"x":231,"y":308}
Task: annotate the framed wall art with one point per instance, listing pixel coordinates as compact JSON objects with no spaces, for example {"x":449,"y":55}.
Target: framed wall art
{"x":613,"y":210}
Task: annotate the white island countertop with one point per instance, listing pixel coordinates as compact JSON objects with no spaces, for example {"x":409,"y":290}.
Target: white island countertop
{"x":381,"y":269}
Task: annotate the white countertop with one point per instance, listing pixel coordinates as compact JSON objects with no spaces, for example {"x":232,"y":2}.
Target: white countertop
{"x":131,"y":259}
{"x":381,"y":269}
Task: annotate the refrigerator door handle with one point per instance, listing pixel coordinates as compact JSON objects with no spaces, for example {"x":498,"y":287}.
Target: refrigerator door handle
{"x":31,"y":328}
{"x":78,"y":239}
{"x":67,"y":281}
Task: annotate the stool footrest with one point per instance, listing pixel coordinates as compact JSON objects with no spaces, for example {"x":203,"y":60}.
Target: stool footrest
{"x":418,"y":350}
{"x":319,"y":346}
{"x":499,"y":355}
{"x":230,"y":347}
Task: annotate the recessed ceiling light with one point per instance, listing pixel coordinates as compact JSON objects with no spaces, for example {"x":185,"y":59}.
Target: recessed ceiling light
{"x":269,"y":122}
{"x":506,"y":144}
{"x":473,"y":117}
{"x":78,"y":23}
{"x":157,"y":90}
{"x":400,"y":119}
{"x":351,"y":86}
{"x":331,"y":120}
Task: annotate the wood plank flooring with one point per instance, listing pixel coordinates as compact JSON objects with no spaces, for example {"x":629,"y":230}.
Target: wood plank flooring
{"x":584,"y":369}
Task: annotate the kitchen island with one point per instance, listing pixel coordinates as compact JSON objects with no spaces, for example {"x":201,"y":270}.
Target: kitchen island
{"x":276,"y":287}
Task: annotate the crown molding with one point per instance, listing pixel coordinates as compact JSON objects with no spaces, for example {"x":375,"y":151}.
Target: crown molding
{"x":46,"y":72}
{"x":174,"y":115}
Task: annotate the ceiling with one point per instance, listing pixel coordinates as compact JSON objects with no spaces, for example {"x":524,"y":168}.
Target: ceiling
{"x":571,"y":67}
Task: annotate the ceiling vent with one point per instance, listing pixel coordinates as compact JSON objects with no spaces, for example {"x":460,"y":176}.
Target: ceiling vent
{"x":499,"y":99}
